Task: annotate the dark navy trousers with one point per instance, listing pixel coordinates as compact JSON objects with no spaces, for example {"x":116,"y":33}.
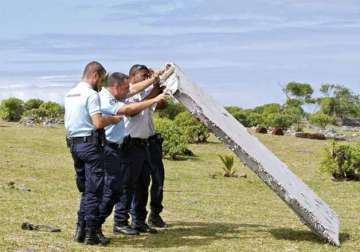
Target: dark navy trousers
{"x":146,"y":162}
{"x":89,"y":166}
{"x":157,"y":176}
{"x":118,"y":181}
{"x":138,"y":156}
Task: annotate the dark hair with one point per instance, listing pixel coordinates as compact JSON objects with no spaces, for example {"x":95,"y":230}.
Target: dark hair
{"x":117,"y":79}
{"x":92,"y":67}
{"x":137,"y":67}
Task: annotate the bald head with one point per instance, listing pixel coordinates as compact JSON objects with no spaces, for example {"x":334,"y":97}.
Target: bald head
{"x":92,"y":68}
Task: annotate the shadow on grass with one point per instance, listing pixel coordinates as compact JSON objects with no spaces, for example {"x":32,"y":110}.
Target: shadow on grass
{"x":301,"y":235}
{"x":192,"y":234}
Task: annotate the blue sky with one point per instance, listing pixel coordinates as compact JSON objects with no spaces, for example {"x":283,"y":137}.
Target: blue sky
{"x":240,"y":51}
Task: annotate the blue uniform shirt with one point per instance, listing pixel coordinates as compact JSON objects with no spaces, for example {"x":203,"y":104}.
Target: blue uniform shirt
{"x":109,"y":107}
{"x":81,"y":102}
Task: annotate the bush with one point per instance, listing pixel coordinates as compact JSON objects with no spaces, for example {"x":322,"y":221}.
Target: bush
{"x":320,"y":119}
{"x":53,"y":109}
{"x":175,"y":140}
{"x":195,"y":131}
{"x":38,"y":114}
{"x":255,"y":119}
{"x":33,"y":104}
{"x":171,"y":110}
{"x":316,"y":136}
{"x":240,"y":115}
{"x":11,"y":109}
{"x":279,"y":120}
{"x":342,"y":161}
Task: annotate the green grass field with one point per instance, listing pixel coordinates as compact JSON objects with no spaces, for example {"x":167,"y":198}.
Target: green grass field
{"x":205,"y":212}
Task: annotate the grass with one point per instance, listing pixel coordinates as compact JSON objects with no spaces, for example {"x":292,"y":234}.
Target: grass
{"x":206,"y":211}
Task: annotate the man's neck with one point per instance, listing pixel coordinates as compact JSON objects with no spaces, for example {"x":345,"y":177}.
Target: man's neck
{"x":92,"y":86}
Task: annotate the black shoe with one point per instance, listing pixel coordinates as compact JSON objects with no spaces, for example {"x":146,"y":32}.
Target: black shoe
{"x":144,"y":228}
{"x":79,"y":235}
{"x":103,"y":240}
{"x":95,"y":236}
{"x":157,"y":221}
{"x":124,"y":229}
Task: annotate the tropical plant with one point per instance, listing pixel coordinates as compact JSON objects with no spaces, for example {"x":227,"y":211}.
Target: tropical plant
{"x":228,"y":167}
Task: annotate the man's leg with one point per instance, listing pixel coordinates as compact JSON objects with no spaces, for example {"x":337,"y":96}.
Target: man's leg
{"x":139,"y":202}
{"x":79,"y":166}
{"x":110,"y":192}
{"x":132,"y":167}
{"x":93,"y":158}
{"x":157,"y":184}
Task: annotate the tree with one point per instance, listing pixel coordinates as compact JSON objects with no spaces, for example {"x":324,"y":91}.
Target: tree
{"x":11,"y":109}
{"x":33,"y":104}
{"x":321,"y":119}
{"x":339,"y":101}
{"x":299,"y":91}
{"x":195,"y":131}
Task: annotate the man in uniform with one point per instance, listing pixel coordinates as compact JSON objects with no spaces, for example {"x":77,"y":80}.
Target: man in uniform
{"x":120,"y":178}
{"x":83,"y":120}
{"x":146,"y":156}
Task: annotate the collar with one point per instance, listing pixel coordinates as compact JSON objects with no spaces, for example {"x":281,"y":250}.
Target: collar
{"x":85,"y":84}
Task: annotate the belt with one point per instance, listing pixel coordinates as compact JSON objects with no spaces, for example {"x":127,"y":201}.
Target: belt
{"x":93,"y":139}
{"x":138,"y":141}
{"x":157,"y":138}
{"x":114,"y":145}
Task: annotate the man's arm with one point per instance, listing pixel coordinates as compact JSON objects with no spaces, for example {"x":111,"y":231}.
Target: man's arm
{"x":101,"y":122}
{"x":134,"y":89}
{"x":136,"y":107}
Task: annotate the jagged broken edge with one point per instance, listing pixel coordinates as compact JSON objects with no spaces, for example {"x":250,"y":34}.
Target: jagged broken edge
{"x":305,"y":216}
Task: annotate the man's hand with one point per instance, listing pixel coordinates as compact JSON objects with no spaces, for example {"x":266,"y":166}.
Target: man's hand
{"x":116,"y":119}
{"x":101,"y":122}
{"x":161,"y":97}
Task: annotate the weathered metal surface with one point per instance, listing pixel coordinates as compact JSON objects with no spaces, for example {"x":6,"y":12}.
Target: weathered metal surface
{"x":313,"y":211}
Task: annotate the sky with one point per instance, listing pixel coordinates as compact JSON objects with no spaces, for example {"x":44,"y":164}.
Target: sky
{"x":241,"y":52}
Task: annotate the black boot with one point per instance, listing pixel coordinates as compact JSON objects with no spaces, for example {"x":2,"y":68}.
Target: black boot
{"x":156,"y":221}
{"x":91,"y":237}
{"x":80,"y":232}
{"x":124,"y":229}
{"x":95,"y":236}
{"x":103,"y":240}
{"x":144,"y":228}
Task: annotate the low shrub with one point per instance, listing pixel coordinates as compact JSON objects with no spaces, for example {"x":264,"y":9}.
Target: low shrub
{"x":195,"y":131}
{"x":316,"y":136}
{"x":171,"y":110}
{"x":320,"y":119}
{"x":342,"y":161}
{"x":175,"y":140}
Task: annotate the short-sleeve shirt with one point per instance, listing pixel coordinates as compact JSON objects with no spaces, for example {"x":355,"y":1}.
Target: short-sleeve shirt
{"x":142,"y":124}
{"x":109,"y":107}
{"x":81,"y":102}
